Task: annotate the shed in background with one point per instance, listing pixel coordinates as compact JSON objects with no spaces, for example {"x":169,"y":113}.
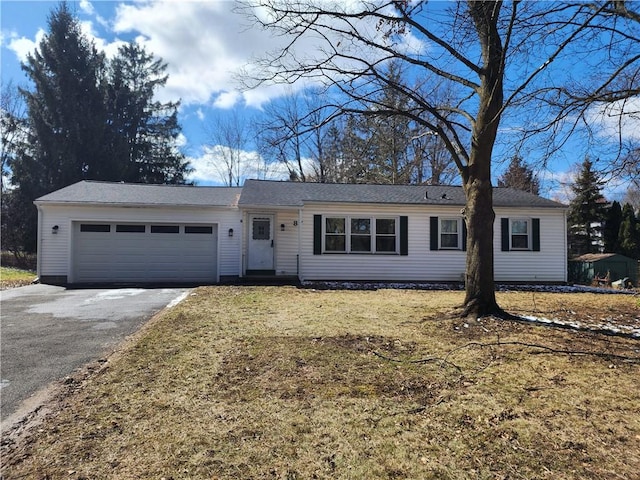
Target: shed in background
{"x":585,"y":268}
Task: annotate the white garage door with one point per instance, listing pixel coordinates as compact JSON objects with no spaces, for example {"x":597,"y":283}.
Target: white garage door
{"x":144,"y":252}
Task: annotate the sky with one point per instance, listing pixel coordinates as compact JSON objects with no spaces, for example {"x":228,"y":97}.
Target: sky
{"x":205,"y":44}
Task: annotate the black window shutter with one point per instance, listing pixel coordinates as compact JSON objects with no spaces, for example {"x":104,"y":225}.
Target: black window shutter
{"x":504,"y":223}
{"x":434,"y":232}
{"x":404,"y":235}
{"x":317,"y":234}
{"x":535,"y":232}
{"x":464,"y":235}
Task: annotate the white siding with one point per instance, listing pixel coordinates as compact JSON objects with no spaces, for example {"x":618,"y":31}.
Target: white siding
{"x":419,"y":265}
{"x":56,"y":250}
{"x":286,"y":242}
{"x":423,"y":264}
{"x":547,"y":265}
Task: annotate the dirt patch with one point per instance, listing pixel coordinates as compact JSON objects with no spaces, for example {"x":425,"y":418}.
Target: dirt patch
{"x":322,"y":367}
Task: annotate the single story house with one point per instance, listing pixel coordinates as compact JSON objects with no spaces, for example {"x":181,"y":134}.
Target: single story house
{"x":100,"y":232}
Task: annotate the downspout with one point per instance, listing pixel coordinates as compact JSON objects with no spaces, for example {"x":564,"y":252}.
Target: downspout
{"x":300,"y":277}
{"x":566,"y":251}
{"x":39,"y":243}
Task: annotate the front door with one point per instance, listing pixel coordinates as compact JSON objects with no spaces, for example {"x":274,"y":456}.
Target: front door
{"x":260,"y":243}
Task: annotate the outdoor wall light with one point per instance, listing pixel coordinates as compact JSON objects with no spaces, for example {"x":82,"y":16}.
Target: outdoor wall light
{"x":231,"y":232}
{"x":54,"y":229}
{"x":282,"y":227}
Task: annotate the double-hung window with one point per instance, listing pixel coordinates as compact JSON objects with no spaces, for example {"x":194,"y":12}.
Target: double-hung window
{"x":520,"y":234}
{"x":386,"y":235}
{"x":335,"y":239}
{"x":450,"y":234}
{"x":360,"y":235}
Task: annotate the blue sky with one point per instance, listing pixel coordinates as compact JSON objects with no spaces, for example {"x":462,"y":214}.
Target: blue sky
{"x":204,"y":44}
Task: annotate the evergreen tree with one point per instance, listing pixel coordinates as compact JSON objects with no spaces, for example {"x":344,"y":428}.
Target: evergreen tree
{"x":629,"y":234}
{"x":144,"y":132}
{"x":587,"y":212}
{"x":67,"y":117}
{"x":87,"y":119}
{"x":519,"y":176}
{"x":612,"y":227}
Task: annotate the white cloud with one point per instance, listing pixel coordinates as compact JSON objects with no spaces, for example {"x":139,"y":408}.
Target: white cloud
{"x":616,"y":120}
{"x":208,"y":45}
{"x":87,"y":7}
{"x":23,"y":46}
{"x":227,"y":100}
{"x":209,"y":168}
{"x":203,"y":43}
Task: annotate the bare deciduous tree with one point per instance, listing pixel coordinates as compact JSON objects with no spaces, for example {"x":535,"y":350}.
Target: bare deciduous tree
{"x":500,"y":57}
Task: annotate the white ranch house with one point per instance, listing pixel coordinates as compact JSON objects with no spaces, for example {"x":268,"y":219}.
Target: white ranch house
{"x":115,"y":233}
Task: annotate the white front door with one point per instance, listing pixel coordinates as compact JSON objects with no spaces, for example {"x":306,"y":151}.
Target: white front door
{"x":260,"y":242}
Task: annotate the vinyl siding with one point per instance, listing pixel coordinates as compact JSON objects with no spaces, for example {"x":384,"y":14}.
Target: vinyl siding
{"x":423,"y":264}
{"x":56,"y":251}
{"x":547,"y":265}
{"x":286,"y":243}
{"x":419,"y":265}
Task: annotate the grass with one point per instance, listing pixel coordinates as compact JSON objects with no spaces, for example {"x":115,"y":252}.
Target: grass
{"x":286,"y":383}
{"x":15,"y":277}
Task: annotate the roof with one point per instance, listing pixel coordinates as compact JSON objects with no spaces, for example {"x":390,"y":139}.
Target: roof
{"x":109,"y":193}
{"x":296,"y":194}
{"x":268,"y":193}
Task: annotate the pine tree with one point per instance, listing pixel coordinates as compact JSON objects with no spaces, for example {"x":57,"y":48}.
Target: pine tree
{"x":629,"y":234}
{"x":87,"y":119}
{"x":66,"y":110}
{"x":587,"y":212}
{"x":519,"y":176}
{"x":144,"y":132}
{"x":612,"y":228}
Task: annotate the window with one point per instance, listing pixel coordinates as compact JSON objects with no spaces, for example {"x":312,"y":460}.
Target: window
{"x":261,"y":229}
{"x":385,"y":235}
{"x":94,"y":227}
{"x":165,"y":229}
{"x":360,"y":235}
{"x":447,"y":233}
{"x":198,"y":229}
{"x":520,"y":231}
{"x":450,"y":233}
{"x":335,"y":234}
{"x":520,"y":234}
{"x":130,"y":228}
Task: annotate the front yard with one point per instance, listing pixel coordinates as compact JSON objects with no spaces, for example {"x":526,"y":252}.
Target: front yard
{"x":287,"y":383}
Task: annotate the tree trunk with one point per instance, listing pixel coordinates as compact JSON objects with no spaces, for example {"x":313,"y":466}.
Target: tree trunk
{"x":480,"y":296}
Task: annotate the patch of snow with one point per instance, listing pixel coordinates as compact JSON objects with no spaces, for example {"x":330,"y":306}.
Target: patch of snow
{"x":611,"y":328}
{"x":177,"y":300}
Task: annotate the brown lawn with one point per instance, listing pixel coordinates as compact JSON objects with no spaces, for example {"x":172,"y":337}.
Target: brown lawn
{"x":287,"y":383}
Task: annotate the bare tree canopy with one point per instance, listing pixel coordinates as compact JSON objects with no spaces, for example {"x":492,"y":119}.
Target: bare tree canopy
{"x":543,"y":67}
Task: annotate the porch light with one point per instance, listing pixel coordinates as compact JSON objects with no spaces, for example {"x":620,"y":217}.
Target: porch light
{"x":282,"y":227}
{"x":54,"y":229}
{"x":231,"y":232}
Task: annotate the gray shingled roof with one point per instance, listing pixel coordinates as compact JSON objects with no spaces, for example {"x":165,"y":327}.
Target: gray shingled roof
{"x":108,"y":193}
{"x":279,"y":194}
{"x":295,"y":194}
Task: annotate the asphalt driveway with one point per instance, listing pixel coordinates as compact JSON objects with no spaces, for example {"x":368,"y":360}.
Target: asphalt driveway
{"x":47,"y":332}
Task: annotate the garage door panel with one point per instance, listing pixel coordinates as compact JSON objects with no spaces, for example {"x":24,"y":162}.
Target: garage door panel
{"x":122,"y":255}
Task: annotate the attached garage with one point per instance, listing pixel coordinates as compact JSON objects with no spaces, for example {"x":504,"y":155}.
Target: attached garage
{"x":140,"y":252}
{"x":113,"y":233}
